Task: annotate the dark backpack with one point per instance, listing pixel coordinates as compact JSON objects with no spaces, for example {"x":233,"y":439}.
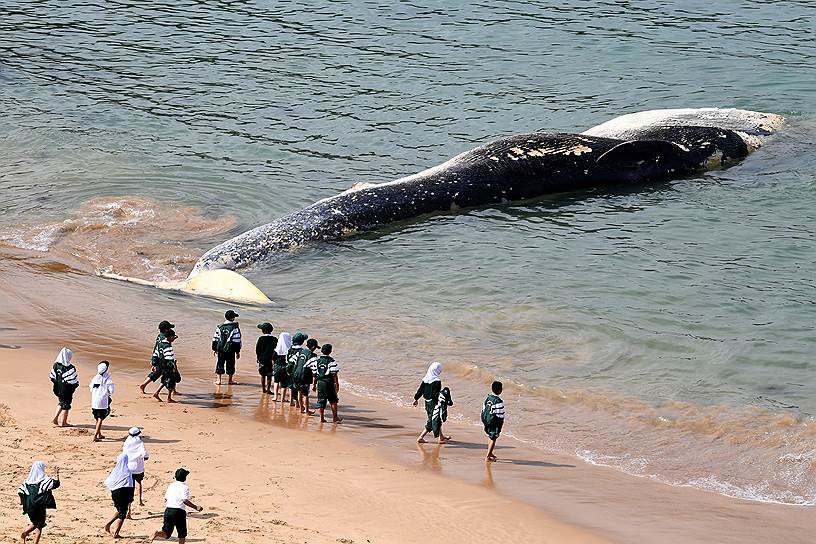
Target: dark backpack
{"x":487,"y":412}
{"x":225,"y":337}
{"x":302,"y":373}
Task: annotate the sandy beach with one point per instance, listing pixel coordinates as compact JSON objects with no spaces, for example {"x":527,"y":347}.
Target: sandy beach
{"x":267,"y":474}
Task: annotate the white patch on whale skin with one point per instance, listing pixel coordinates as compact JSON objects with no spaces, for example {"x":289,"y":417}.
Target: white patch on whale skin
{"x":578,"y":150}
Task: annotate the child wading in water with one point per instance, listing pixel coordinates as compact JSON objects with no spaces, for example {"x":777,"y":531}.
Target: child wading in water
{"x":326,"y":383}
{"x":65,"y":380}
{"x":493,"y":418}
{"x":279,"y":368}
{"x":440,"y":414}
{"x":265,"y":351}
{"x":35,"y":496}
{"x":102,"y":388}
{"x":297,"y":355}
{"x":429,"y":389}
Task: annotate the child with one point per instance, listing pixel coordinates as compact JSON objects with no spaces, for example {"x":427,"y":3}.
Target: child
{"x":297,"y":353}
{"x":120,"y":483}
{"x":226,"y":346}
{"x":135,"y":449}
{"x":440,"y":414}
{"x":175,"y":513}
{"x":101,"y":390}
{"x":265,"y":351}
{"x":170,"y":373}
{"x":429,"y":389}
{"x":326,"y":383}
{"x":493,"y":418}
{"x":65,"y":380}
{"x":35,"y":496}
{"x":156,"y":359}
{"x":279,"y":368}
{"x":303,"y":373}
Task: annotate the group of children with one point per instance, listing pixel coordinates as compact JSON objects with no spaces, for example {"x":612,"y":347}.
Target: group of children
{"x":438,"y":398}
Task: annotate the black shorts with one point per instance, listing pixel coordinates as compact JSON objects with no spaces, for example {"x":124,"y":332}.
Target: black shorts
{"x":138,"y":477}
{"x":326,"y":393}
{"x":175,"y":518}
{"x":66,"y":399}
{"x":279,"y":374}
{"x":37,"y":517}
{"x":265,"y":370}
{"x":494,"y":429}
{"x":301,"y":387}
{"x":100,"y":414}
{"x":122,"y":498}
{"x":154,"y":374}
{"x":225,"y":364}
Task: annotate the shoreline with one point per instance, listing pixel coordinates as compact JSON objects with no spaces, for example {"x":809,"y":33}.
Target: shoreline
{"x":593,"y":500}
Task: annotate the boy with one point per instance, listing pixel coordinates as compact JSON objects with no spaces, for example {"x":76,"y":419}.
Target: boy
{"x":226,"y":346}
{"x":36,"y":496}
{"x":265,"y":351}
{"x":326,"y":383}
{"x":156,"y":362}
{"x":493,"y":418}
{"x":65,"y":380}
{"x":302,"y":375}
{"x":175,"y":513}
{"x":166,"y":356}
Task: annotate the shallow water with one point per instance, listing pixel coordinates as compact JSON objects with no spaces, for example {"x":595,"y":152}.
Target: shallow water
{"x":665,"y":330}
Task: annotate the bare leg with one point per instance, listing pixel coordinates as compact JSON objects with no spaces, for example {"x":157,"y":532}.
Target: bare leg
{"x":322,"y":411}
{"x":37,"y":535}
{"x":98,"y":434}
{"x":64,"y":422}
{"x":156,"y":394}
{"x":110,"y":522}
{"x":421,"y":439}
{"x":141,"y":503}
{"x":230,"y":381}
{"x":144,"y":384}
{"x":263,"y":384}
{"x":118,"y":527}
{"x":490,"y":445}
{"x":170,"y":395}
{"x":55,"y":421}
{"x":27,"y":532}
{"x":335,"y":419}
{"x":219,"y":380}
{"x":159,"y":534}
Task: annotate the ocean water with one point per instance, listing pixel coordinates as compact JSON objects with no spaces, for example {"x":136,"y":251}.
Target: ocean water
{"x":667,"y":330}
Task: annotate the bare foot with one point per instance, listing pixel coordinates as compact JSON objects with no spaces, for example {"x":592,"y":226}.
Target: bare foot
{"x":232,"y":383}
{"x":23,"y":535}
{"x":491,"y":459}
{"x":141,"y":503}
{"x":128,"y":517}
{"x":107,"y":527}
{"x":172,"y":401}
{"x":323,"y":420}
{"x":420,"y":440}
{"x":102,"y":437}
{"x":217,"y":383}
{"x":309,"y":413}
{"x":157,"y":397}
{"x":96,"y":439}
{"x":142,"y":389}
{"x":54,"y":421}
{"x":338,"y":420}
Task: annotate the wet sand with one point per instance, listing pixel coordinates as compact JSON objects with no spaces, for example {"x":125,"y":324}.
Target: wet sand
{"x":379,"y":485}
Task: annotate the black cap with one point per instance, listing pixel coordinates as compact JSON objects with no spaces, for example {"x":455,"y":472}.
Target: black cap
{"x":266,"y":326}
{"x":299,"y":338}
{"x":230,"y":314}
{"x":164,"y":325}
{"x":181,"y":474}
{"x":312,"y":343}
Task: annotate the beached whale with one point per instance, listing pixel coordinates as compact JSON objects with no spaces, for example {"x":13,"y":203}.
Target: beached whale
{"x":635,"y":148}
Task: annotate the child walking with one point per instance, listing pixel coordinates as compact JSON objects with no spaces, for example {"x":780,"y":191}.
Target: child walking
{"x":493,"y":418}
{"x":120,"y":484}
{"x":36,"y":496}
{"x":429,"y":390}
{"x":440,"y":414}
{"x":65,"y":380}
{"x":137,"y":454}
{"x":177,"y":498}
{"x":102,"y":388}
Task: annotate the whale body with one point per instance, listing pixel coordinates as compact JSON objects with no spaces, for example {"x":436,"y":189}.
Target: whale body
{"x":636,"y":148}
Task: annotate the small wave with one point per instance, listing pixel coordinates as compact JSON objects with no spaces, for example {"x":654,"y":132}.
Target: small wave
{"x":129,"y":236}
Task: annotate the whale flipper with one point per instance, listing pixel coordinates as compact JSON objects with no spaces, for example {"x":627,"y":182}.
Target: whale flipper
{"x":218,"y":283}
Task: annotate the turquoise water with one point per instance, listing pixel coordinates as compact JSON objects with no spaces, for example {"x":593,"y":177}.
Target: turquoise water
{"x":637,"y":324}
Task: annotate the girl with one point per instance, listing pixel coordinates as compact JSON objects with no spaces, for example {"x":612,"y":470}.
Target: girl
{"x":35,"y":496}
{"x":135,"y":449}
{"x":279,"y":368}
{"x":102,"y":388}
{"x":440,"y":414}
{"x":65,"y":380}
{"x":120,"y":483}
{"x":429,"y":389}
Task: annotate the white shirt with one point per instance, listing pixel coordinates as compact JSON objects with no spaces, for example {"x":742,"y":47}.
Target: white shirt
{"x":101,"y":395}
{"x":176,"y":494}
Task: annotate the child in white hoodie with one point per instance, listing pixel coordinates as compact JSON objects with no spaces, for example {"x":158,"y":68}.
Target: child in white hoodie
{"x":135,"y":449}
{"x":101,"y":387}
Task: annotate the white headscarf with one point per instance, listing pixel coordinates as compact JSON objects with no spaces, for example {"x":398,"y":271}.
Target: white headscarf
{"x":37,"y":473}
{"x":284,"y":343}
{"x":101,"y":387}
{"x":120,"y":475}
{"x":432,"y":375}
{"x":135,"y":450}
{"x":64,"y":357}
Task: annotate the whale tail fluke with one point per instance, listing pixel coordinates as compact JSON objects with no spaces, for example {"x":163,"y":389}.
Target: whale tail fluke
{"x":220,"y":283}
